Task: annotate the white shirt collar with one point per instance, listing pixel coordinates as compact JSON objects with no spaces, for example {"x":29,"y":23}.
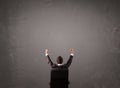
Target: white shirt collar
{"x":59,"y":64}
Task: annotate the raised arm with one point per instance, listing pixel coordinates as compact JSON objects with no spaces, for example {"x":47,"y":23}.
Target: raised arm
{"x":48,"y":57}
{"x":70,"y":58}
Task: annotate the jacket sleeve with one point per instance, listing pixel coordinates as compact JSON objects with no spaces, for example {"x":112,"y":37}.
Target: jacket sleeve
{"x":49,"y":60}
{"x":69,"y":61}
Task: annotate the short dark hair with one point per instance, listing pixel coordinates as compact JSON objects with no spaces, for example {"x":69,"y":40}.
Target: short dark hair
{"x":59,"y":60}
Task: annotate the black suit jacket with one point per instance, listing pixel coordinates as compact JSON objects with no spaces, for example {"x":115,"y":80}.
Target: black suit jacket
{"x":59,"y":74}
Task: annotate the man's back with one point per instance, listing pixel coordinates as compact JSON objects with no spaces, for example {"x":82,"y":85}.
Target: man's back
{"x":59,"y":74}
{"x":59,"y":78}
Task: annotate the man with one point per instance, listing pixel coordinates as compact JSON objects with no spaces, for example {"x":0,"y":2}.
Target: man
{"x":60,"y":60}
{"x":59,"y":72}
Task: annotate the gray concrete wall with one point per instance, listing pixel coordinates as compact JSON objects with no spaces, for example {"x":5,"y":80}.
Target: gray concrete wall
{"x":27,"y":27}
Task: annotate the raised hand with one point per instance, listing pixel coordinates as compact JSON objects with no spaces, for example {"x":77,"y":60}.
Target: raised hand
{"x":46,"y":51}
{"x":72,"y":51}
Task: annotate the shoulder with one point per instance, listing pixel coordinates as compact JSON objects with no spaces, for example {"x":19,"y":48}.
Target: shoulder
{"x":59,"y":67}
{"x":54,"y":66}
{"x":64,"y":66}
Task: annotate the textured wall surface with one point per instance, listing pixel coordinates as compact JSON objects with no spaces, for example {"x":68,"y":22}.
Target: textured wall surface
{"x":92,"y":27}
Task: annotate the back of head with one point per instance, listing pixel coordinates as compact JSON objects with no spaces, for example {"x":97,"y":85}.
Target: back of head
{"x":59,"y":60}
